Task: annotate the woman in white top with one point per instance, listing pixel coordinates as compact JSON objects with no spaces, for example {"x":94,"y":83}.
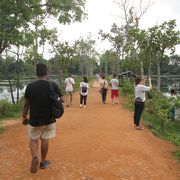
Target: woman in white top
{"x":140,"y":98}
{"x":83,"y":92}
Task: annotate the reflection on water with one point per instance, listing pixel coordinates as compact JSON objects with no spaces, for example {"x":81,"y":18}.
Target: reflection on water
{"x":5,"y":93}
{"x":166,"y":84}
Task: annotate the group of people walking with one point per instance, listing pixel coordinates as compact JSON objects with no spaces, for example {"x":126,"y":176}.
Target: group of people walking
{"x":84,"y":86}
{"x":69,"y":88}
{"x":41,"y":122}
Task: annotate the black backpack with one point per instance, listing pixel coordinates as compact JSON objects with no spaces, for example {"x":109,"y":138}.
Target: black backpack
{"x":58,"y":109}
{"x":84,"y":89}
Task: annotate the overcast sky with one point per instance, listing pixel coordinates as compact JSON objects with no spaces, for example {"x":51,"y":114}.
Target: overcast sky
{"x":103,"y":13}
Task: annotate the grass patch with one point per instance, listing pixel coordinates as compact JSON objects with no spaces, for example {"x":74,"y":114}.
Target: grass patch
{"x":177,"y":154}
{"x":170,"y":133}
{"x":1,"y":129}
{"x":8,"y":110}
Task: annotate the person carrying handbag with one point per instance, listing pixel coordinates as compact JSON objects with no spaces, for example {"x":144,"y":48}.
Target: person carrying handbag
{"x":140,"y":99}
{"x":104,"y":89}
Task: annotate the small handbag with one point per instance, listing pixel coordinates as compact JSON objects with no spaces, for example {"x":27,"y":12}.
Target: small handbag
{"x":138,"y":100}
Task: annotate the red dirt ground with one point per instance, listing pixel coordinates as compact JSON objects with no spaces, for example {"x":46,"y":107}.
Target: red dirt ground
{"x":94,"y":143}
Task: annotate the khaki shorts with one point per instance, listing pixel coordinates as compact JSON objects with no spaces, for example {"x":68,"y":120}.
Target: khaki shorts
{"x":42,"y":132}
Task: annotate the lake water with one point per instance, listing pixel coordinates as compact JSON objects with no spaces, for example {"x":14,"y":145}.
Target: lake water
{"x":5,"y":88}
{"x":166,"y":84}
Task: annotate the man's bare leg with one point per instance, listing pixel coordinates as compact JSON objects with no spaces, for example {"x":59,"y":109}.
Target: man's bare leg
{"x":70,"y":98}
{"x":44,"y":148}
{"x":34,"y":147}
{"x":67,"y":99}
{"x":34,"y":152}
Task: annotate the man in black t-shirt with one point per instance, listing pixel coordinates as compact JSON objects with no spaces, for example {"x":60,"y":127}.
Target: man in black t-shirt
{"x":41,"y":123}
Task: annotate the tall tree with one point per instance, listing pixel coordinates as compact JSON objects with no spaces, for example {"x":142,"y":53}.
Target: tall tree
{"x":164,"y":39}
{"x":86,"y":53}
{"x":116,"y":38}
{"x":16,"y":15}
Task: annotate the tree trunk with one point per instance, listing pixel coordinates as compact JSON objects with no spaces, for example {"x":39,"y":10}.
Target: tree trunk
{"x":11,"y":91}
{"x":141,"y":64}
{"x":149,"y":68}
{"x":18,"y":84}
{"x":142,"y":69}
{"x":81,"y":64}
{"x":106,"y":67}
{"x":158,"y":76}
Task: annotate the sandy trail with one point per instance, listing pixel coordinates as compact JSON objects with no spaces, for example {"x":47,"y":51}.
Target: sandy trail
{"x":93,"y":143}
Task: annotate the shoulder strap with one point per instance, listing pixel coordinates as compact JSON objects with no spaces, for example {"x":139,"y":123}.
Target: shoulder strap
{"x":70,"y":81}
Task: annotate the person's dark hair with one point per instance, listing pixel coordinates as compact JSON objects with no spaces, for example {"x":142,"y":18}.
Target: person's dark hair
{"x":69,"y":75}
{"x":138,"y":80}
{"x":103,"y":76}
{"x":114,"y":75}
{"x":85,"y":79}
{"x":41,"y":69}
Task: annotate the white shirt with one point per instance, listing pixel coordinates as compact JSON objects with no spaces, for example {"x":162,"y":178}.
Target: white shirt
{"x":114,"y":84}
{"x":81,"y":85}
{"x":140,"y":91}
{"x":69,"y":82}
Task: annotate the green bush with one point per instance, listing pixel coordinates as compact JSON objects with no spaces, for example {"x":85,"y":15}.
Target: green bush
{"x":127,"y":88}
{"x":5,"y":107}
{"x":9,"y":110}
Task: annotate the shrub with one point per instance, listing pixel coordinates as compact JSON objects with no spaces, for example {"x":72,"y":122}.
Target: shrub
{"x":127,"y":88}
{"x":5,"y":107}
{"x":9,"y":110}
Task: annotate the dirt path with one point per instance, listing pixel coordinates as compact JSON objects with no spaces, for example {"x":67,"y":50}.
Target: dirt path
{"x":93,"y":143}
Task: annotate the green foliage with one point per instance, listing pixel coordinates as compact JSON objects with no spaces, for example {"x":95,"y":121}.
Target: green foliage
{"x":5,"y":107}
{"x":17,"y":15}
{"x":177,"y":154}
{"x":1,"y":129}
{"x":127,"y":87}
{"x":9,"y":110}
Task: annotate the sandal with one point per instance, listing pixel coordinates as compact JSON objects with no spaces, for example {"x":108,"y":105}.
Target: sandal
{"x":44,"y":164}
{"x":34,"y":165}
{"x":139,"y":128}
